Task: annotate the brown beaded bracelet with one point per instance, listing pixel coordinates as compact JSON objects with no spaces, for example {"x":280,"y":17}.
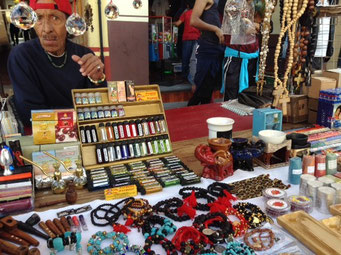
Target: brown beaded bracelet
{"x":258,"y":242}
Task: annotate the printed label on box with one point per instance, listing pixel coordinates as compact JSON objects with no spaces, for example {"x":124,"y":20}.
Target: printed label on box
{"x":112,"y":92}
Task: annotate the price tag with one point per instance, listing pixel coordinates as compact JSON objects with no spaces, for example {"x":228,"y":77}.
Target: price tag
{"x":120,"y":192}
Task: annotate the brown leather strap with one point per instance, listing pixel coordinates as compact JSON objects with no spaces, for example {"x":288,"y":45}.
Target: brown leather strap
{"x":65,"y":223}
{"x":12,"y":238}
{"x":43,"y":226}
{"x":59,"y":225}
{"x":53,"y":227}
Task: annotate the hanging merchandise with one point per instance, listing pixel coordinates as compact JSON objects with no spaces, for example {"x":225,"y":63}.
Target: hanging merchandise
{"x":75,"y":24}
{"x":23,"y":16}
{"x":137,"y":4}
{"x":265,"y":31}
{"x":111,"y":11}
{"x":238,"y":21}
{"x":292,"y":11}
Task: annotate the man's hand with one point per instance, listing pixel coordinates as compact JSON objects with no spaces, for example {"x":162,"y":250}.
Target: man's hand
{"x":220,"y":35}
{"x":90,"y":65}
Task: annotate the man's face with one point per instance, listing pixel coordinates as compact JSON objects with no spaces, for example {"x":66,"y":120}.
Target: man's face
{"x":51,"y":30}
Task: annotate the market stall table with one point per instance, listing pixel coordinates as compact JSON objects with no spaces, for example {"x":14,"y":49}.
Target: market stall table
{"x":184,"y":150}
{"x":137,"y":238}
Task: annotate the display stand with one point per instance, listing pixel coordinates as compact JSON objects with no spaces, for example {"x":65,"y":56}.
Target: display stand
{"x":299,"y":152}
{"x":275,"y":155}
{"x":133,"y":111}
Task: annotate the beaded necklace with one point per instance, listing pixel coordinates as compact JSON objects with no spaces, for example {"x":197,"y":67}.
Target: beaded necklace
{"x":51,"y":60}
{"x":289,"y":19}
{"x":265,"y":31}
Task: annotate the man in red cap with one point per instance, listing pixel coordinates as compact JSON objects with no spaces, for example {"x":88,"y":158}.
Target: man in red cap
{"x":44,"y":70}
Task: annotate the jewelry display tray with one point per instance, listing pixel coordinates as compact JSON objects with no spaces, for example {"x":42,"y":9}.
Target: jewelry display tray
{"x":311,"y":232}
{"x":335,"y":209}
{"x":334,"y":223}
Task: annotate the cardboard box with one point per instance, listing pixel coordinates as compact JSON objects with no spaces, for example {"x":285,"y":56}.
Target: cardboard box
{"x":112,"y":91}
{"x":320,"y":83}
{"x":334,"y":74}
{"x":297,"y":109}
{"x":146,"y":95}
{"x":121,"y":91}
{"x":312,"y":117}
{"x":130,"y":91}
{"x":54,"y":126}
{"x":313,"y":104}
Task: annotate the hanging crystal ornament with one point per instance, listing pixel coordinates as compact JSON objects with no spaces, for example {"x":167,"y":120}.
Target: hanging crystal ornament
{"x":137,"y":4}
{"x":23,"y":16}
{"x":75,"y":24}
{"x":111,"y":11}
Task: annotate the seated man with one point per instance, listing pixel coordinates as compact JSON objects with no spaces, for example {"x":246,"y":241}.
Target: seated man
{"x":43,"y":71}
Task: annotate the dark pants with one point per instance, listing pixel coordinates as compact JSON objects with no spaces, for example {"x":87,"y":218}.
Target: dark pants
{"x":15,"y":36}
{"x":203,"y":94}
{"x":26,"y":35}
{"x":187,"y":49}
{"x":231,"y":75}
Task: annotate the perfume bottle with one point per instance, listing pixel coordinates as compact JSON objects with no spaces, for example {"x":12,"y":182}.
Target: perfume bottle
{"x":58,"y":184}
{"x":80,"y":179}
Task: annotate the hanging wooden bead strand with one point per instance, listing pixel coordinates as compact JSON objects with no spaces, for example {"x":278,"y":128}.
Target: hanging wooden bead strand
{"x":281,"y":93}
{"x":265,"y":30}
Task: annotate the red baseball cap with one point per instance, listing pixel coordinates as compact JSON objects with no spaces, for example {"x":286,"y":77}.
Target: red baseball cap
{"x":61,"y":5}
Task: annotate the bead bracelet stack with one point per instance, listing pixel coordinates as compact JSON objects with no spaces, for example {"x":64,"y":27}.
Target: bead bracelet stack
{"x":120,"y":244}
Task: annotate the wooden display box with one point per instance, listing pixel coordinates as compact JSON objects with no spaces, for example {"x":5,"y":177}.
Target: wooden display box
{"x":297,"y":109}
{"x":133,"y":110}
{"x":313,"y":104}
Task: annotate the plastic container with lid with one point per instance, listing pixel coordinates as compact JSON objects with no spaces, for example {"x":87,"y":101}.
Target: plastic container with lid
{"x":78,"y":98}
{"x":305,"y":178}
{"x":277,"y":207}
{"x":98,"y":98}
{"x":303,"y":203}
{"x":274,"y":193}
{"x":114,"y":112}
{"x":311,"y":191}
{"x":107,"y":112}
{"x":326,"y":181}
{"x":85,"y":99}
{"x":91,"y":97}
{"x":121,"y":111}
{"x":100,"y":112}
{"x":80,"y":114}
{"x":94,"y":114}
{"x":337,"y":187}
{"x":325,"y":198}
{"x":87,"y":114}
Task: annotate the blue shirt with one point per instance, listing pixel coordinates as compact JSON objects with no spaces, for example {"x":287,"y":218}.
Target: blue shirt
{"x":37,"y":84}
